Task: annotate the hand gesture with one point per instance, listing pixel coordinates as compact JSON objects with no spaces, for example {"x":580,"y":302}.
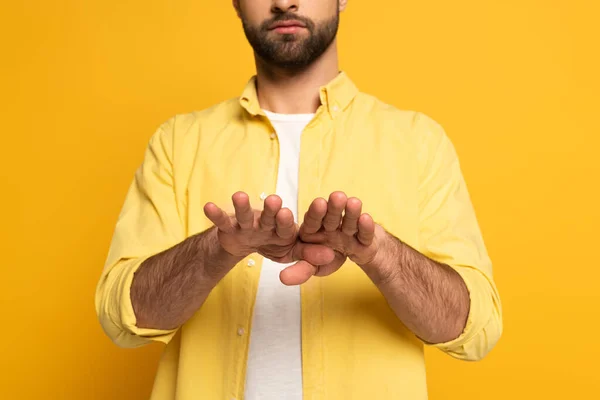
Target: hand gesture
{"x":340,"y":225}
{"x":271,"y":232}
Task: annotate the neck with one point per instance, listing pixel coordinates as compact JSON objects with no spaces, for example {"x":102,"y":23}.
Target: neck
{"x":288,"y":91}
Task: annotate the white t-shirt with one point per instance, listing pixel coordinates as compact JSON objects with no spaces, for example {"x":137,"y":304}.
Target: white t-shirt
{"x":274,"y":368}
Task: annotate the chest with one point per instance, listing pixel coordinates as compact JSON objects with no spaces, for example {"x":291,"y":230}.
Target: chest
{"x":364,"y":160}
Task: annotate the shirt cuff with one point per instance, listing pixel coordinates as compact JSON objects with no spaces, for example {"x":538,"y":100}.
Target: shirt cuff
{"x":120,"y":320}
{"x":465,"y":346}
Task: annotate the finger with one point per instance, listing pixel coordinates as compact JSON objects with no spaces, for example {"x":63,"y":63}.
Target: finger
{"x":267,"y":216}
{"x":243,"y":211}
{"x":284,"y":223}
{"x":301,"y":272}
{"x":331,"y":267}
{"x":218,"y":217}
{"x":313,"y":218}
{"x":319,"y":237}
{"x":366,"y":229}
{"x":298,"y":273}
{"x":335,"y":207}
{"x":350,"y":220}
{"x":315,"y":254}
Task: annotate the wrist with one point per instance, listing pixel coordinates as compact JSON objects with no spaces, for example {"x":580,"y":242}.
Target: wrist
{"x":384,"y":266}
{"x":216,"y":261}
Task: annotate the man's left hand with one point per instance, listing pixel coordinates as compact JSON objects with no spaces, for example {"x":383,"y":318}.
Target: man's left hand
{"x":340,"y":225}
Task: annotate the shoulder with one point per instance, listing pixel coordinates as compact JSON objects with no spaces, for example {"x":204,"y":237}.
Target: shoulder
{"x":411,"y":125}
{"x":182,"y":132}
{"x":186,"y":123}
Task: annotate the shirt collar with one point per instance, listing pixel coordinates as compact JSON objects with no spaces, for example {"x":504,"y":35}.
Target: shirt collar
{"x":335,"y":96}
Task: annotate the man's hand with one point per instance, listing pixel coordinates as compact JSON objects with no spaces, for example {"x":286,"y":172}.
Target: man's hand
{"x":271,"y":232}
{"x":352,"y":235}
{"x":171,"y":286}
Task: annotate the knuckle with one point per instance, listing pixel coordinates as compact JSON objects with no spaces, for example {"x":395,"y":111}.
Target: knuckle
{"x":312,"y":219}
{"x":348,"y":231}
{"x":350,"y":219}
{"x":265,"y":227}
{"x":329,"y":219}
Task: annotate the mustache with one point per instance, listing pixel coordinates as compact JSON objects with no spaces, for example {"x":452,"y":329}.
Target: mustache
{"x":287,"y":17}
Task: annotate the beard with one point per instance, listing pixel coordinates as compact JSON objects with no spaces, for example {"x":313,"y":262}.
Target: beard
{"x":291,"y":51}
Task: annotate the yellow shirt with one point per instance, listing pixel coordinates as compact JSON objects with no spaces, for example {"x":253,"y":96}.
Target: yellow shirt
{"x":400,"y":164}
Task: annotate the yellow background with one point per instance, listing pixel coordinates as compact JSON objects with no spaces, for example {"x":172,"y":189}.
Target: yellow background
{"x":515,"y":83}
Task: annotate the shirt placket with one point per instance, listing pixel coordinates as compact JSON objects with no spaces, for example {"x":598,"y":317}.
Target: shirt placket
{"x":313,"y":365}
{"x":249,"y":273}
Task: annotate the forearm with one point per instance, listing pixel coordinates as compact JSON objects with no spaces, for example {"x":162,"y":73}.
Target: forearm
{"x":171,"y":286}
{"x":430,"y":298}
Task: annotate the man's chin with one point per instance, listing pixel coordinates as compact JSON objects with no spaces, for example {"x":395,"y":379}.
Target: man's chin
{"x":290,"y":60}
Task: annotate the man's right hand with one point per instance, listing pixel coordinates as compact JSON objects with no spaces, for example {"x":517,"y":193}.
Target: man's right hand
{"x":271,"y":232}
{"x":172,"y":285}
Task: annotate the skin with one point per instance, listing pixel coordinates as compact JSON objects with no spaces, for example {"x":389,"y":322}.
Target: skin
{"x":430,"y":298}
{"x":292,"y":90}
{"x":171,"y":286}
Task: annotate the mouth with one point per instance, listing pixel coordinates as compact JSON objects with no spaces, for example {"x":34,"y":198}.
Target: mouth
{"x":289,"y":26}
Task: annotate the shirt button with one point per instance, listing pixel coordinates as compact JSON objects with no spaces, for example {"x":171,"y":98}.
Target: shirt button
{"x":251,"y":262}
{"x":273,"y":135}
{"x":240,"y":331}
{"x":336,"y":108}
{"x":263,"y":196}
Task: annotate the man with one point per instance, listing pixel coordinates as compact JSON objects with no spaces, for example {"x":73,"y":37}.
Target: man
{"x":298,"y":294}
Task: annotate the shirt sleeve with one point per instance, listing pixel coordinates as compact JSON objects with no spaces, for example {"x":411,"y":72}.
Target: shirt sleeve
{"x":449,"y":233}
{"x":149,"y":222}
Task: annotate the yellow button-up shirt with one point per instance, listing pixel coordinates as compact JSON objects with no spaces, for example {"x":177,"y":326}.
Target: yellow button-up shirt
{"x":400,"y":164}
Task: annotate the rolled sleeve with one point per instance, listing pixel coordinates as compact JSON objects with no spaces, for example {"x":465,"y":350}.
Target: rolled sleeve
{"x":484,"y":323}
{"x":449,"y":233}
{"x":116,"y":310}
{"x":149,"y":223}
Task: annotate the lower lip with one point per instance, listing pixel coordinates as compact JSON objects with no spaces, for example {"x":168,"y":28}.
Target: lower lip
{"x":288,"y":29}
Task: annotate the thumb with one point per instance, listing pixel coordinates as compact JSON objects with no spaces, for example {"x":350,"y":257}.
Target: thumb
{"x":309,"y":257}
{"x":298,"y":273}
{"x":315,"y":254}
{"x":302,"y":271}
